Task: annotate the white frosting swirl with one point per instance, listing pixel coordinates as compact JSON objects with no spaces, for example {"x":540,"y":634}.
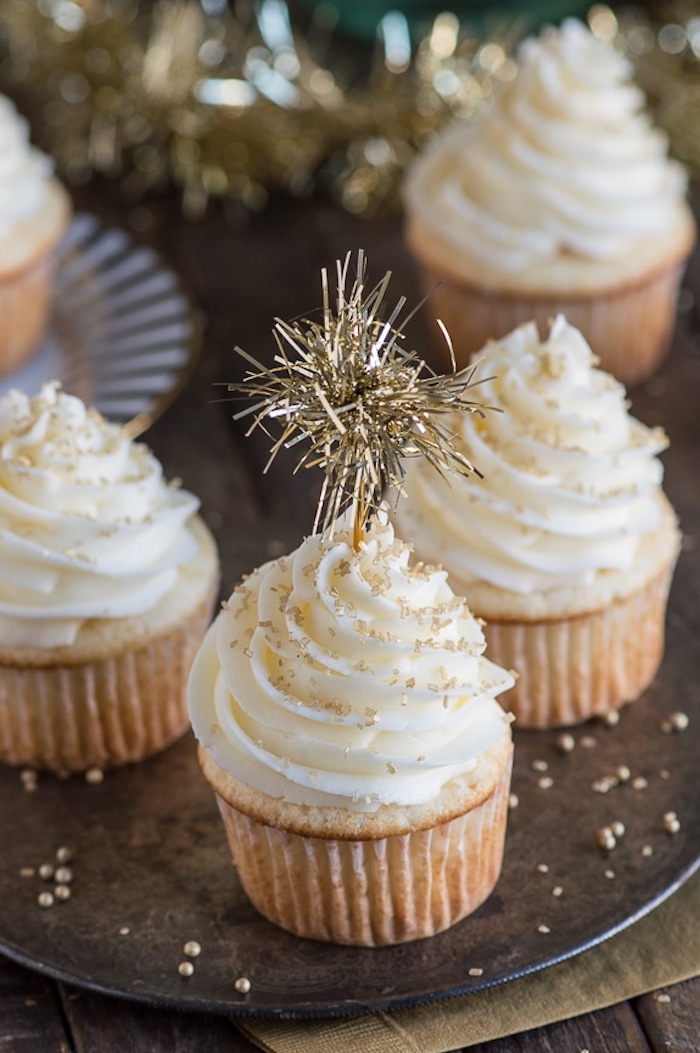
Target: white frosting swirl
{"x":570,"y":479}
{"x":563,"y":160}
{"x":24,"y":171}
{"x":344,"y":677}
{"x":88,"y":526}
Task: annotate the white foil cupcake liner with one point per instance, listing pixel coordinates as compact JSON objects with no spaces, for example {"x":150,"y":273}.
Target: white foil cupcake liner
{"x":104,"y":713}
{"x":375,"y":892}
{"x":571,"y":669}
{"x":629,"y":328}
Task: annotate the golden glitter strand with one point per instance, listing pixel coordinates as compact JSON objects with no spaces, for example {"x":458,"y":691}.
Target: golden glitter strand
{"x":360,"y":401}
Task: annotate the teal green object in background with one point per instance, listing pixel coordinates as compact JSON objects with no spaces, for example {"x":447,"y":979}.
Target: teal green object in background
{"x":361,"y":18}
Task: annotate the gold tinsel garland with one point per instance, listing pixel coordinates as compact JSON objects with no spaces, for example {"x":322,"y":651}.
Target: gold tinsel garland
{"x":239,"y":102}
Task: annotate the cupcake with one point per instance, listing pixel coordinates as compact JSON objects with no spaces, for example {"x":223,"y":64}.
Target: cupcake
{"x":348,"y":724}
{"x":346,"y":714}
{"x":567,"y":544}
{"x":34,"y":213}
{"x":559,"y":197}
{"x":107,"y":582}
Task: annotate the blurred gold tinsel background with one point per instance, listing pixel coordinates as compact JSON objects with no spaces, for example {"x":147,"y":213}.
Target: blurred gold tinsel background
{"x":244,"y":99}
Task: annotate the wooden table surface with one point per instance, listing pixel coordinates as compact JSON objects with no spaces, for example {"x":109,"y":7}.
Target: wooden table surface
{"x":240,"y":273}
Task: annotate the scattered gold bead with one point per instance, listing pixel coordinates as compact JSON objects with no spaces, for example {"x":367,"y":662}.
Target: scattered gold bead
{"x":545,"y":782}
{"x":671,"y":823}
{"x":476,"y":972}
{"x":94,"y":776}
{"x":612,"y":719}
{"x":539,"y":765}
{"x":566,"y":743}
{"x":62,"y":892}
{"x":513,"y":801}
{"x":543,"y":868}
{"x":676,"y":722}
{"x":618,"y":828}
{"x":46,"y":871}
{"x":610,"y":874}
{"x":647,"y":851}
{"x":588,"y":742}
{"x":606,"y":838}
{"x":64,"y":854}
{"x":604,"y":785}
{"x":192,"y":949}
{"x":242,"y":985}
{"x":640,"y":783}
{"x":544,"y":929}
{"x":45,"y":899}
{"x":557,"y":891}
{"x":662,"y":998}
{"x":124,"y":931}
{"x":64,"y":875}
{"x":623,"y":773}
{"x":29,"y":779}
{"x":185,"y":969}
{"x":27,"y":872}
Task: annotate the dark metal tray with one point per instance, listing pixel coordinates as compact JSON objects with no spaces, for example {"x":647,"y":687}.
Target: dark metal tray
{"x":152,"y":869}
{"x":150,"y":858}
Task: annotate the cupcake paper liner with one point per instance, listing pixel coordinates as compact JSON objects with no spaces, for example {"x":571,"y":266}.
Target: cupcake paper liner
{"x":372,"y":892}
{"x":628,"y":328}
{"x":103,"y":713}
{"x":25,"y":302}
{"x":570,"y":669}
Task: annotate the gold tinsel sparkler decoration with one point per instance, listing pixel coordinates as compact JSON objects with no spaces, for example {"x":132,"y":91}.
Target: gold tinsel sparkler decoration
{"x":361,"y":401}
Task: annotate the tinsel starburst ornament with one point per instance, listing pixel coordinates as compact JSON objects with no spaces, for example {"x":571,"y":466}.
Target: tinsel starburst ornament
{"x":360,"y":401}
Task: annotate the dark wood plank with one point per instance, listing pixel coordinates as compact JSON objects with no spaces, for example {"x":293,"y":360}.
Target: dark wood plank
{"x":107,"y":1025}
{"x":614,"y":1030}
{"x":30,"y":1015}
{"x":671,"y":1018}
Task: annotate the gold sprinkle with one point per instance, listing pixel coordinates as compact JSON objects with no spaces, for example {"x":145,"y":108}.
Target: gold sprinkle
{"x":45,"y":900}
{"x":671,"y":823}
{"x":665,"y":998}
{"x":29,"y":779}
{"x":640,"y":783}
{"x":242,"y":985}
{"x":612,"y":719}
{"x":391,"y":768}
{"x":186,"y":969}
{"x":609,"y":874}
{"x":606,"y":838}
{"x":513,"y":801}
{"x":604,"y":785}
{"x":27,"y":872}
{"x":542,"y":868}
{"x":192,"y":949}
{"x":557,"y":891}
{"x":565,"y":743}
{"x":64,"y":854}
{"x":647,"y":851}
{"x":476,"y":972}
{"x":588,"y":742}
{"x":94,"y":776}
{"x":545,"y":782}
{"x":46,"y":871}
{"x":63,"y":875}
{"x":62,"y":892}
{"x":618,"y":829}
{"x":676,"y":722}
{"x":544,"y":929}
{"x":539,"y":765}
{"x":124,"y":931}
